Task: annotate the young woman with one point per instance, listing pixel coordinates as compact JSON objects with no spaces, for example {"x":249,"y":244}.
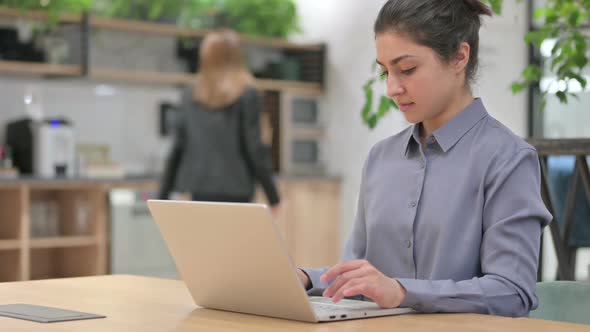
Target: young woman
{"x":450,"y":213}
{"x":218,"y":154}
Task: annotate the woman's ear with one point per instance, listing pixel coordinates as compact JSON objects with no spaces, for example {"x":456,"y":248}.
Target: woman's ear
{"x":462,"y":57}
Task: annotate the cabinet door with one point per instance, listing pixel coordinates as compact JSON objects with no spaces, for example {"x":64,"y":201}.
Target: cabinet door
{"x":313,"y":223}
{"x":310,"y":222}
{"x":137,"y":246}
{"x":302,"y":134}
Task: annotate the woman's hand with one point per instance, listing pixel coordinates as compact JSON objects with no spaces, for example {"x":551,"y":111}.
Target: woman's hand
{"x":361,"y":278}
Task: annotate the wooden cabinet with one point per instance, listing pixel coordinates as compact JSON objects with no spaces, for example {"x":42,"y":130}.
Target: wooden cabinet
{"x":310,"y":220}
{"x":67,"y":240}
{"x":13,"y":231}
{"x":76,"y":244}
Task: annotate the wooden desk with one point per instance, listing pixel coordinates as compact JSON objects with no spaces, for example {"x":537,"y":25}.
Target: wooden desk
{"x":147,"y":304}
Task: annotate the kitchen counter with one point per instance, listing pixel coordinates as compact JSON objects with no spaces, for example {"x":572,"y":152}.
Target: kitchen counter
{"x":309,"y":223}
{"x":146,"y":182}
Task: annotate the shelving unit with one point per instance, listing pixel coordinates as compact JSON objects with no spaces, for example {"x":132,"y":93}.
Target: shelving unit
{"x":9,"y":244}
{"x":49,"y":263}
{"x":38,"y":15}
{"x":173,"y":30}
{"x":32,"y":68}
{"x":64,"y":242}
{"x":79,"y":246}
{"x":309,"y":55}
{"x":11,"y":265}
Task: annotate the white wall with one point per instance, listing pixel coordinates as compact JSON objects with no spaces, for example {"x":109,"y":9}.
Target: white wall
{"x":123,"y":116}
{"x":127,"y":120}
{"x":346,"y":27}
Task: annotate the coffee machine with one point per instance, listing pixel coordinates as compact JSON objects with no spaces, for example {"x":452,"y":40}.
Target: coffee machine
{"x":45,"y":148}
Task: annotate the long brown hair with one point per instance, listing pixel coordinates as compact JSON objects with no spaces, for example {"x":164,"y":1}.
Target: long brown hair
{"x":223,"y":76}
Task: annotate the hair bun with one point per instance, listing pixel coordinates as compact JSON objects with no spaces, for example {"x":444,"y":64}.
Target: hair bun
{"x":478,"y":7}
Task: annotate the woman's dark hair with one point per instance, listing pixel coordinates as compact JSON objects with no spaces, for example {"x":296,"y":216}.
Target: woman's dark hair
{"x":441,"y":25}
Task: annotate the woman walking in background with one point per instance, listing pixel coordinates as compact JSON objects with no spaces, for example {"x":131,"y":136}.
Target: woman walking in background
{"x":218,"y":154}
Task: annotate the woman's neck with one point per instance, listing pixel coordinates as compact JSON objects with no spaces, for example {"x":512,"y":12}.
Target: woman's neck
{"x":456,"y":106}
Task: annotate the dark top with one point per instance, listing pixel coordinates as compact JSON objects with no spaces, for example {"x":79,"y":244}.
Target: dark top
{"x":218,"y":154}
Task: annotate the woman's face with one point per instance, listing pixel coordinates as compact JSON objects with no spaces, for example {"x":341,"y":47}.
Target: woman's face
{"x":417,"y":80}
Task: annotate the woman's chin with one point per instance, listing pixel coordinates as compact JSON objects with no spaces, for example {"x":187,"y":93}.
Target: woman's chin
{"x":413,"y":118}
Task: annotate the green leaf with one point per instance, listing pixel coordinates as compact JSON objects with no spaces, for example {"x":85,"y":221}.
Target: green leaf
{"x":368,"y":89}
{"x":496,"y":6}
{"x":372,"y":121}
{"x":393,"y":104}
{"x":156,"y":10}
{"x":573,"y":18}
{"x":578,"y":78}
{"x":536,"y":37}
{"x":384,"y":106}
{"x":562,"y":97}
{"x":551,"y":17}
{"x":532,"y":73}
{"x":517,"y":87}
{"x":581,"y":60}
{"x":539,"y":13}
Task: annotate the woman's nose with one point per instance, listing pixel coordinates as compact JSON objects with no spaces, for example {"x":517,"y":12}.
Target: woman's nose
{"x":394,"y":87}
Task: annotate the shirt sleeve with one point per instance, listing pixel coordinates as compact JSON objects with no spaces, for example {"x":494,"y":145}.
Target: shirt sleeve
{"x":356,"y":245}
{"x":513,"y":217}
{"x":256,"y":153}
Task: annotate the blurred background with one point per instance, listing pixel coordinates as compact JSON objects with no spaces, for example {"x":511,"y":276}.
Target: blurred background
{"x":90,"y":90}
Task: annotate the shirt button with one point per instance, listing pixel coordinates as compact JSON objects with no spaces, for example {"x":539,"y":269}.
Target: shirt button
{"x":413,"y":204}
{"x":408,"y":244}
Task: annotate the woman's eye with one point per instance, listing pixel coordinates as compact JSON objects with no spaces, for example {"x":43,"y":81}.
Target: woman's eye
{"x":383,"y":74}
{"x":408,"y":71}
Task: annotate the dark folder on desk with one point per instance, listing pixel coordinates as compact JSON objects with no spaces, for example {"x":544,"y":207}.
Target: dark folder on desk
{"x":37,"y":313}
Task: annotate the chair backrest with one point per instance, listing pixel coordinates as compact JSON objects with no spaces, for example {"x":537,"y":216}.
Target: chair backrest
{"x":566,"y":301}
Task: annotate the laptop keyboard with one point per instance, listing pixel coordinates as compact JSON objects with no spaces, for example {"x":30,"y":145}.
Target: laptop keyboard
{"x":325,"y":305}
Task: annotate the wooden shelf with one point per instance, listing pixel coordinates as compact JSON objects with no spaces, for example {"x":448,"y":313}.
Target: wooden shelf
{"x":150,"y":77}
{"x":38,"y":15}
{"x":279,"y":85}
{"x":153,"y":28}
{"x":153,"y":77}
{"x":63,"y":241}
{"x":9,"y":244}
{"x":307,"y":132}
{"x":34,"y":68}
{"x":144,"y":27}
{"x":174,"y":30}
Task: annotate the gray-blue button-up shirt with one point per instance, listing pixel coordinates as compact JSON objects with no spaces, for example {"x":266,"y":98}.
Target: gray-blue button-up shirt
{"x":457,"y":223}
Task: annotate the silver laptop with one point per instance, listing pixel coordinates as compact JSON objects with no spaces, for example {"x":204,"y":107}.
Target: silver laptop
{"x":232,"y":258}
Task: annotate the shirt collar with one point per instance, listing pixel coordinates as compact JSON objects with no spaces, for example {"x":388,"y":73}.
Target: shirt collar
{"x":449,"y":134}
{"x":412,"y":138}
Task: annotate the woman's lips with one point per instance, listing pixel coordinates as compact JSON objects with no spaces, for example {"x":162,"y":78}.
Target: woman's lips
{"x":404,"y":107}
